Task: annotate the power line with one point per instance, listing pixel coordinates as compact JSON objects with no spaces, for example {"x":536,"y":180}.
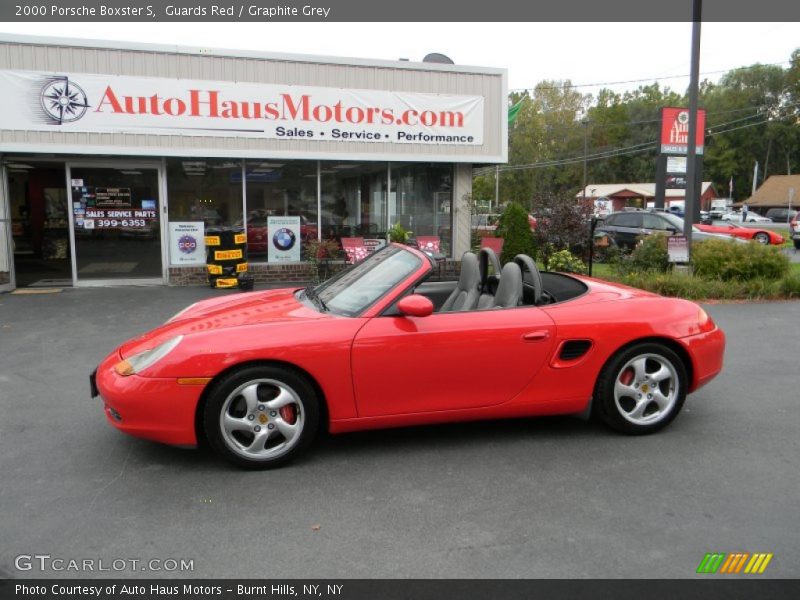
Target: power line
{"x":647,"y":79}
{"x":624,"y":151}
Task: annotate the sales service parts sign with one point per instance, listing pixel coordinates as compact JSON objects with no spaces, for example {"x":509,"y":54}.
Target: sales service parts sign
{"x":80,"y":102}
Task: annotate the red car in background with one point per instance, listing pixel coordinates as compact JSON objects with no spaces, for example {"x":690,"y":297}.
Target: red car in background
{"x":258,"y":374}
{"x":762,"y":236}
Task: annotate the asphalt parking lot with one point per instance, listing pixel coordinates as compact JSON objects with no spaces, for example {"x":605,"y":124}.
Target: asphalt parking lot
{"x":553,"y":497}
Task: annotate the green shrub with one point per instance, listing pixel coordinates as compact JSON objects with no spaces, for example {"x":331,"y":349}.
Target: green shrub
{"x":514,"y":228}
{"x":649,"y":256}
{"x":728,"y":261}
{"x":566,"y":261}
{"x":790,"y":286}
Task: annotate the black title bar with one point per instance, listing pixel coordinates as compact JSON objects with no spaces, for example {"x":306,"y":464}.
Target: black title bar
{"x":711,"y":588}
{"x":154,"y":11}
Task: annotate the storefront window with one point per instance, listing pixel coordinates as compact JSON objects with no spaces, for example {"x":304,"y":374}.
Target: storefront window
{"x":208,"y":190}
{"x":279,"y":189}
{"x":421,"y":200}
{"x":354,"y":199}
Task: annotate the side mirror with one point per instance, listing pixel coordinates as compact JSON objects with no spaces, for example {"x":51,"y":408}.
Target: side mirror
{"x":415,"y":305}
{"x":672,"y":230}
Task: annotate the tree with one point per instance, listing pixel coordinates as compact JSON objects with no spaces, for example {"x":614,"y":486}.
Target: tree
{"x":515,"y":230}
{"x":562,"y":224}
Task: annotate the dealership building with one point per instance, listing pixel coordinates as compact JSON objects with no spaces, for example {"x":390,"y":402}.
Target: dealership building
{"x":119,"y":160}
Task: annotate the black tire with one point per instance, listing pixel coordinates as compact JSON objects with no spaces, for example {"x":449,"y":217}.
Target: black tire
{"x":762,"y":237}
{"x":244,"y":396}
{"x":614,"y":413}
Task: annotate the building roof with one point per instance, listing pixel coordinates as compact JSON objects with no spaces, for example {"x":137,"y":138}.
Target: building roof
{"x":775,"y":191}
{"x":645,"y":190}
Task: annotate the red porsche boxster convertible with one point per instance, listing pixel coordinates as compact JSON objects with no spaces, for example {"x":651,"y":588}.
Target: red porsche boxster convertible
{"x":258,"y":374}
{"x":762,"y":236}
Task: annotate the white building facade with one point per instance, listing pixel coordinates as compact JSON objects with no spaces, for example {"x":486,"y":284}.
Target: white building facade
{"x":119,"y":159}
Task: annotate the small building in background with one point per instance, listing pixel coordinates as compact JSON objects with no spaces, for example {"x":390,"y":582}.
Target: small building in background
{"x":774,"y":193}
{"x":611,"y":197}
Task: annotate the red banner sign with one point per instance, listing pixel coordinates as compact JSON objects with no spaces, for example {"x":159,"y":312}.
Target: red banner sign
{"x":675,"y":130}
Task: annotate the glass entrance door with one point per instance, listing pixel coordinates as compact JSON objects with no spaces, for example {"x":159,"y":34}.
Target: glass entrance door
{"x":115,"y":214}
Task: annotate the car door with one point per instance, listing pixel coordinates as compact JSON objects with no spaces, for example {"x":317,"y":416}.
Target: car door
{"x":653,"y":223}
{"x":448,"y":361}
{"x":627,"y":227}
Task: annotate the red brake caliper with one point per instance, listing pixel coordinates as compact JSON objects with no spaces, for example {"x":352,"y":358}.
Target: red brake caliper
{"x":289,"y":413}
{"x":627,"y":377}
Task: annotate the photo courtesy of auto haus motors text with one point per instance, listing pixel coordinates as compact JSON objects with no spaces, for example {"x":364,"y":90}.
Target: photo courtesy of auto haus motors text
{"x":96,"y":103}
{"x":182,"y":590}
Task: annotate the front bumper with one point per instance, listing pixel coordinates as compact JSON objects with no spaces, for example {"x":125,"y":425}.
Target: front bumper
{"x":145,"y":407}
{"x":707,"y":351}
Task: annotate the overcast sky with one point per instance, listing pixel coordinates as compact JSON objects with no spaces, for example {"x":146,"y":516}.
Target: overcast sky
{"x":585,"y":53}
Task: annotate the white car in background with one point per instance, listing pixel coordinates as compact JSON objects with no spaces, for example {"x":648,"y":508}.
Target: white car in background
{"x":736,"y":217}
{"x":794,"y":231}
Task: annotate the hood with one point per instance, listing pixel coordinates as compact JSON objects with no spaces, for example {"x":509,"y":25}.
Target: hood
{"x":235,"y":310}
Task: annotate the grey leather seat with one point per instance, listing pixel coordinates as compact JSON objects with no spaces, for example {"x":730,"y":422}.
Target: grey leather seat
{"x":487,"y":259}
{"x":509,"y":292}
{"x":531,"y":279}
{"x":465,"y":296}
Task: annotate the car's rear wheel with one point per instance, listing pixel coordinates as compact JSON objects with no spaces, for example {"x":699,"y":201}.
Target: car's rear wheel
{"x":261,"y":417}
{"x":641,"y":389}
{"x":762,"y":237}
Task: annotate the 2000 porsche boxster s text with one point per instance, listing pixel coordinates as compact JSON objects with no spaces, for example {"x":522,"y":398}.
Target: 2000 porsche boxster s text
{"x":258,"y":374}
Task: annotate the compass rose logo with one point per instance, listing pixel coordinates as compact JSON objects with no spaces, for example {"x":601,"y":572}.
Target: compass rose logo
{"x":63,"y":101}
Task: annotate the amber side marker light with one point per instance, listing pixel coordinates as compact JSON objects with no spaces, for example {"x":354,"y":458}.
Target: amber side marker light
{"x":124,"y":368}
{"x":193,"y":380}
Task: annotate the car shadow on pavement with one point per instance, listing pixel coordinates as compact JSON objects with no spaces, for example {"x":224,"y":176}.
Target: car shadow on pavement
{"x":455,"y":435}
{"x":387,"y":443}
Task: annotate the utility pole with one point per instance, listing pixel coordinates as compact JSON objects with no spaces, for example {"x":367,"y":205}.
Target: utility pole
{"x":496,"y":187}
{"x":585,"y":123}
{"x":692,"y":208}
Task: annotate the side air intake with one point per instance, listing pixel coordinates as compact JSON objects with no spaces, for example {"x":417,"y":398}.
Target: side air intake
{"x":574,"y":349}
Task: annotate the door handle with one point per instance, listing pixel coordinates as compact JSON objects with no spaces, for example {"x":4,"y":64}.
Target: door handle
{"x":536,"y":336}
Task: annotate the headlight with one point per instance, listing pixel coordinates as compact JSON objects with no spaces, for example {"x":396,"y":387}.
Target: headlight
{"x":139,"y":362}
{"x":178,"y":314}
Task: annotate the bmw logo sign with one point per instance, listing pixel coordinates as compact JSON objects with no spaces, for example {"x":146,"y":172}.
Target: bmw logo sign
{"x":284,"y":239}
{"x":187,"y":244}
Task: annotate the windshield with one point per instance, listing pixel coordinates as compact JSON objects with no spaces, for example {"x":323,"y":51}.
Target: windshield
{"x":353,"y":290}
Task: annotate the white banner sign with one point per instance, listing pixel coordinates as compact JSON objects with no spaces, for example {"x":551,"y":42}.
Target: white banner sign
{"x":283,"y":239}
{"x":678,"y":249}
{"x":82,"y":102}
{"x":187,"y":243}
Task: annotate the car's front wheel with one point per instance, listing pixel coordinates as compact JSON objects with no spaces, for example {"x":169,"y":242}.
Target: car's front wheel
{"x":762,"y":237}
{"x":261,"y":417}
{"x":641,"y":389}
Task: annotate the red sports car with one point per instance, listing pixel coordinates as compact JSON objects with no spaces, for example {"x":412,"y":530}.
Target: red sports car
{"x":762,"y":236}
{"x":258,"y":374}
